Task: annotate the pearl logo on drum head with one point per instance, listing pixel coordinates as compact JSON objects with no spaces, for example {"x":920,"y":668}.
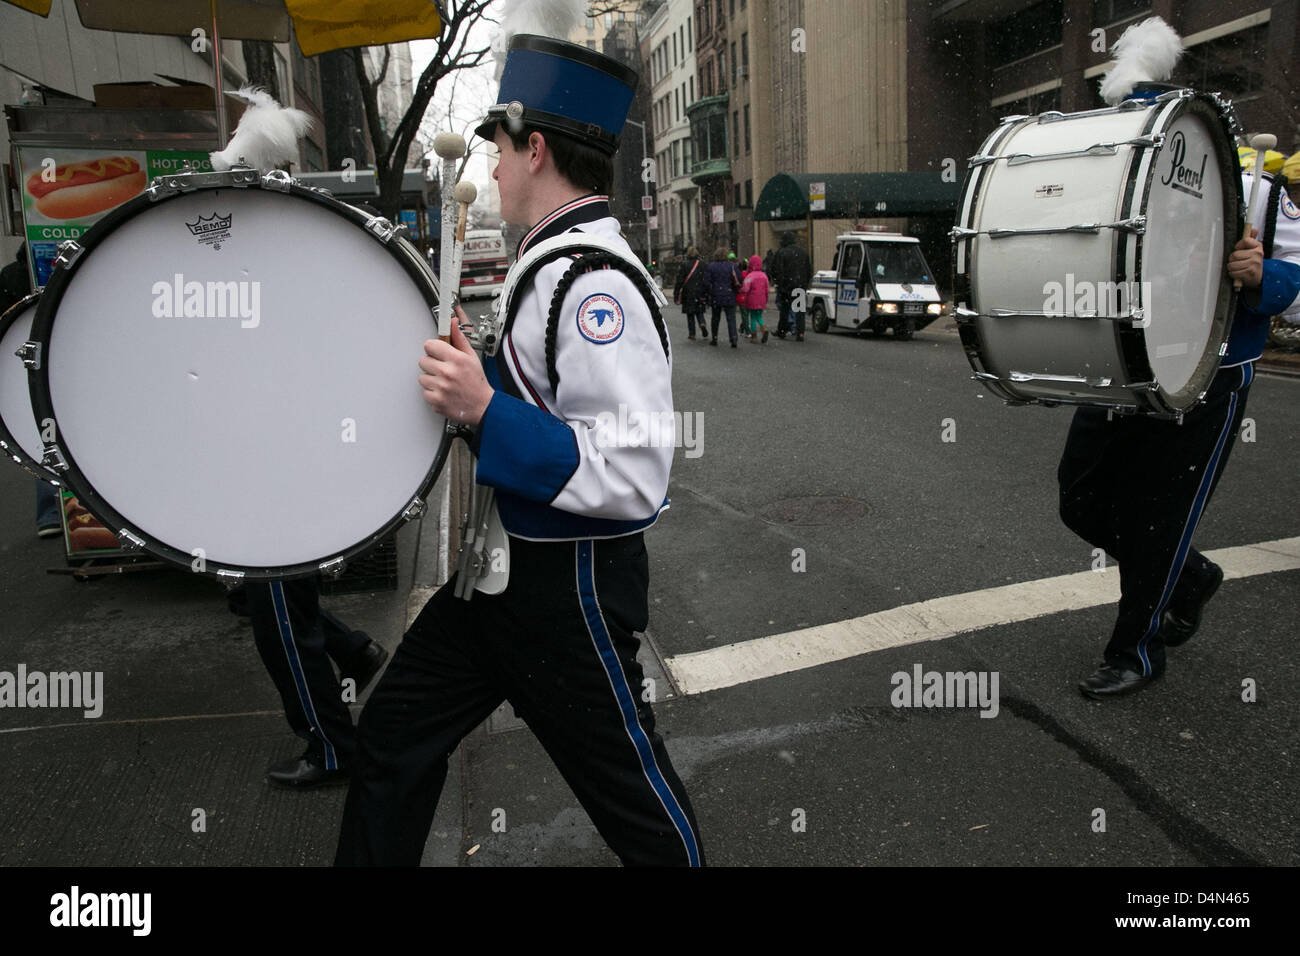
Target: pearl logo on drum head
{"x":1184,"y":178}
{"x":211,"y":230}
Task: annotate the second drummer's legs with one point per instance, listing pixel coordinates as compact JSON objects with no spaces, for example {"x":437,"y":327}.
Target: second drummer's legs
{"x":1137,"y":486}
{"x":433,"y":693}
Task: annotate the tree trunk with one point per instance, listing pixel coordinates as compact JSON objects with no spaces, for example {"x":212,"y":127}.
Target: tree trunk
{"x":259,"y":63}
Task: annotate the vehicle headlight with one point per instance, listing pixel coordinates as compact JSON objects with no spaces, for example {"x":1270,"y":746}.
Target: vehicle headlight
{"x":890,"y":307}
{"x":935,"y":308}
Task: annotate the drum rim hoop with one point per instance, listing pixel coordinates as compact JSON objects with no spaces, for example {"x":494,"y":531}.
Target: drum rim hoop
{"x":1213,"y":109}
{"x":75,"y":480}
{"x":12,"y":447}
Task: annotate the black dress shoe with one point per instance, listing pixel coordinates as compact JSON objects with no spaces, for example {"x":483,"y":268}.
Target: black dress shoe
{"x":1182,"y":618}
{"x":1112,"y":681}
{"x":301,"y":773}
{"x":364,"y":667}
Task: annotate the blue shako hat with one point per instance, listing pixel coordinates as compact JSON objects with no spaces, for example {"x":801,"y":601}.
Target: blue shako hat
{"x":560,"y":86}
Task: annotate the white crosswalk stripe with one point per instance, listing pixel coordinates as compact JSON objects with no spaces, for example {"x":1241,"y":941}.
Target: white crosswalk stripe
{"x":936,"y":619}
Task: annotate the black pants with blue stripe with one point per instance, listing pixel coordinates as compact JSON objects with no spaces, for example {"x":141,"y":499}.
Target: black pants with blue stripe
{"x":558,"y":644}
{"x":296,"y":639}
{"x":1136,"y":486}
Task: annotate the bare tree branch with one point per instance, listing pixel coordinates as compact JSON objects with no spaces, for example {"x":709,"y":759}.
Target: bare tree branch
{"x":452,"y":53}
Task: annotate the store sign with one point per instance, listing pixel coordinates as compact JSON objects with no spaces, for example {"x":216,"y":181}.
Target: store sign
{"x":718,"y":212}
{"x":817,"y":197}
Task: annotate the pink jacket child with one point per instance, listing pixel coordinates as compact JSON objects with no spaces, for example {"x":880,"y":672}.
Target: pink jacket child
{"x":753,"y":291}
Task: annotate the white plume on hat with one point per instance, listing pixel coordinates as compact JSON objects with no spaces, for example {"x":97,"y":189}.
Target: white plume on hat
{"x":1147,"y":51}
{"x":267,"y":135}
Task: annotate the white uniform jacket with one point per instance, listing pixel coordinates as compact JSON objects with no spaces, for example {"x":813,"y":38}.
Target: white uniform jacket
{"x":591,"y":458}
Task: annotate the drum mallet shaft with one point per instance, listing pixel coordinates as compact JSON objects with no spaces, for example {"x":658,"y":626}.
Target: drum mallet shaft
{"x":465,"y":194}
{"x":450,"y":148}
{"x":1261,"y":143}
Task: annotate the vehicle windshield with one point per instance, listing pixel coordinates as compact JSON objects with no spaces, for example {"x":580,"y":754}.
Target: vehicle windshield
{"x":901,"y":262}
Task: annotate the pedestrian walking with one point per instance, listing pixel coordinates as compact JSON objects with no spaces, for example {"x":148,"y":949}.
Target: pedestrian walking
{"x":754,"y":293}
{"x":791,"y":273}
{"x":690,"y":293}
{"x":723,"y":281}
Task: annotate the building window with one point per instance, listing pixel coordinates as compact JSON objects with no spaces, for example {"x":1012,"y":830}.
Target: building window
{"x":609,"y":20}
{"x":313,"y":159}
{"x":733,"y":64}
{"x":689,"y":39}
{"x":691,"y":84}
{"x":591,"y":44}
{"x":749,"y":192}
{"x":735,"y":133}
{"x":1032,"y":105}
{"x":678,"y":97}
{"x":746,"y":128}
{"x":733,"y":7}
{"x":744,"y":54}
{"x":737,"y":194}
{"x":674,"y":49}
{"x":1232,"y":63}
{"x":1025,"y":33}
{"x":591,"y":24}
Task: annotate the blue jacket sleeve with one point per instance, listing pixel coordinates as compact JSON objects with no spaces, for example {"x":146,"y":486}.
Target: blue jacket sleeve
{"x":1278,"y":288}
{"x":524,"y":450}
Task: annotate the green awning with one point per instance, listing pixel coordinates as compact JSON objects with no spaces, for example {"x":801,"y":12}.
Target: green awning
{"x":858,"y":196}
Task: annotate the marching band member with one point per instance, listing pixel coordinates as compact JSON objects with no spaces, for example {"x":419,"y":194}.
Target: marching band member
{"x":559,"y":641}
{"x":1137,"y":486}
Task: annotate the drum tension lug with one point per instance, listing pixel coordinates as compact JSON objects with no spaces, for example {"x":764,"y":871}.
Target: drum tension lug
{"x":30,"y":353}
{"x":382,"y":228}
{"x":53,"y":458}
{"x":230,"y":578}
{"x":69,"y":252}
{"x":415,"y":509}
{"x":332,"y":569}
{"x":278,"y":180}
{"x":129,"y":541}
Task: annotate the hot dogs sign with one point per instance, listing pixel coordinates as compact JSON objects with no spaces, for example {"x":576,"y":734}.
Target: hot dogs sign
{"x":66,"y":191}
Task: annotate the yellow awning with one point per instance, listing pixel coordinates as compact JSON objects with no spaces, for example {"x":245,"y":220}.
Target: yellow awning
{"x":320,"y":25}
{"x":323,"y":25}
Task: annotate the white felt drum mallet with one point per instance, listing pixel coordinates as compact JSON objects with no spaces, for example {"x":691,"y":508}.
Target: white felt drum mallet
{"x":450,"y":148}
{"x":1261,"y":143}
{"x":464,"y":194}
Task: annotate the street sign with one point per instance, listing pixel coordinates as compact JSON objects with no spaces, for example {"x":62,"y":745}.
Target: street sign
{"x":647,"y":203}
{"x":816,"y":197}
{"x":718,"y":213}
{"x":654,"y":222}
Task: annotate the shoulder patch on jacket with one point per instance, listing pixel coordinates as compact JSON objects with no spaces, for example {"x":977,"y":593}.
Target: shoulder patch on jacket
{"x":600,"y":318}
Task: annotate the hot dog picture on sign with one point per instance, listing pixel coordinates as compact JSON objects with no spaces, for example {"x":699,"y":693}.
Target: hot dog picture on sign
{"x":65,"y":191}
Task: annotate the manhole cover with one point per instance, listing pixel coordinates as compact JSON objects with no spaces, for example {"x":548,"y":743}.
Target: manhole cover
{"x":813,"y":511}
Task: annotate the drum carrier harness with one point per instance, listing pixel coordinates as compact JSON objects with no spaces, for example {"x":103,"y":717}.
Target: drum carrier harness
{"x":589,"y":252}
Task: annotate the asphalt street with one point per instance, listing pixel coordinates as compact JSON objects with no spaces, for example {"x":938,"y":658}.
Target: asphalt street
{"x":824,"y":490}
